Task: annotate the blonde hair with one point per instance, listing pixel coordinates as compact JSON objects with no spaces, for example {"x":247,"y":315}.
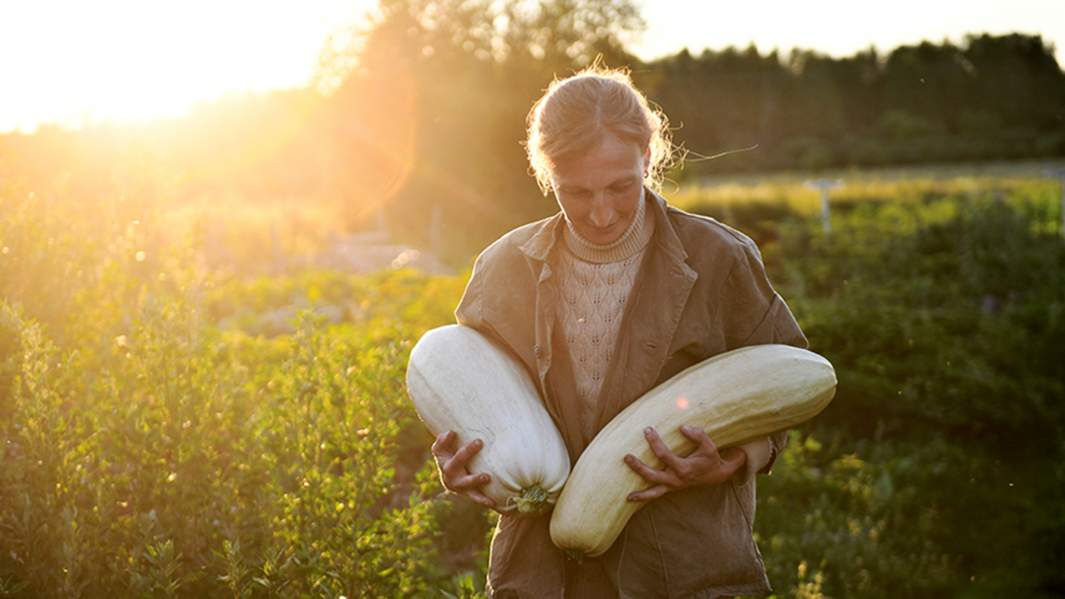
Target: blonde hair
{"x":574,"y":113}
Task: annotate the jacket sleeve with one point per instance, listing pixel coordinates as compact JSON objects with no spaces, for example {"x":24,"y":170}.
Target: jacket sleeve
{"x":471,"y":309}
{"x":755,"y":314}
{"x":759,"y":452}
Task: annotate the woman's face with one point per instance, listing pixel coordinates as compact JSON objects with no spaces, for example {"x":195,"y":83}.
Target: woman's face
{"x":600,"y":190}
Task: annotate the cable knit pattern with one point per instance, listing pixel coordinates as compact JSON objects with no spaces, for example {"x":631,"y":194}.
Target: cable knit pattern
{"x":596,"y":282}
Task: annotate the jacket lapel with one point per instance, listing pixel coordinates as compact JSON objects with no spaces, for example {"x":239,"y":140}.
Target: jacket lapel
{"x":650,"y":320}
{"x":648,"y":325}
{"x":538,"y":252}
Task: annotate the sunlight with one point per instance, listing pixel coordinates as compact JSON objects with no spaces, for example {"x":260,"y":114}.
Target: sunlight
{"x":76,"y":63}
{"x":127,"y":61}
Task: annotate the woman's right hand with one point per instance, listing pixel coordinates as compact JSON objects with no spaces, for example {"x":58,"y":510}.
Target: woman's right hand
{"x":453,"y":472}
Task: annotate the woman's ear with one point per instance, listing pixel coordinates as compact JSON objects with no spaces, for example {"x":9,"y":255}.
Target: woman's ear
{"x":646,"y":160}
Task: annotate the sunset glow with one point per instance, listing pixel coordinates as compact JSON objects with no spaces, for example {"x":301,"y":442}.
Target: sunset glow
{"x":76,"y":63}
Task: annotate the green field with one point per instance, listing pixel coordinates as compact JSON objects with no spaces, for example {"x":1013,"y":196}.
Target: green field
{"x":158,"y":439}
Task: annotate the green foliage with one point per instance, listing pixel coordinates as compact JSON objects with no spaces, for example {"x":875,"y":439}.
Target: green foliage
{"x":936,"y":469}
{"x":181,"y":459}
{"x":158,"y":439}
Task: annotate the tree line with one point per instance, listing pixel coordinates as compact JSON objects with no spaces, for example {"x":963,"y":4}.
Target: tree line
{"x":471,"y":70}
{"x":419,"y":114}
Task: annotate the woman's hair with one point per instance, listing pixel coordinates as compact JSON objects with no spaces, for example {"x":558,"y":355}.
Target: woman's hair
{"x":574,"y":113}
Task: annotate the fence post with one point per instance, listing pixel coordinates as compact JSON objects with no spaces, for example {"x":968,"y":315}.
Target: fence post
{"x":825,"y":186}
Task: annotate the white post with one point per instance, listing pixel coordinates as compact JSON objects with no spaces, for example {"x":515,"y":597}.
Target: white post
{"x":825,"y":186}
{"x":826,"y":224}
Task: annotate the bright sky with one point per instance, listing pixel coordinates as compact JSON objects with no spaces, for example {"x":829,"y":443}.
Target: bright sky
{"x":77,"y":61}
{"x":841,"y":27}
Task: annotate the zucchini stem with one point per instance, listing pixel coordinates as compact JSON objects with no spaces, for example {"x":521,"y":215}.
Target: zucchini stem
{"x":532,"y":501}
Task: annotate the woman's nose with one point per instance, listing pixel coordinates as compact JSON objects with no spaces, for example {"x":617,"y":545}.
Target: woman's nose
{"x":602,"y":213}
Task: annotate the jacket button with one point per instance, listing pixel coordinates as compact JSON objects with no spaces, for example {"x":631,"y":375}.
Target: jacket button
{"x":650,"y":346}
{"x":539,"y":351}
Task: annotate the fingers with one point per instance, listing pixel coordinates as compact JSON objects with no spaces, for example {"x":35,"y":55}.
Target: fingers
{"x":466,"y":453}
{"x":454,"y":475}
{"x":670,"y":459}
{"x":653,"y":475}
{"x":453,"y":465}
{"x":648,"y":494}
{"x":470,"y":481}
{"x":443,"y":446}
{"x":735,"y":457}
{"x":469,"y":484}
{"x":700,"y":438}
{"x":481,"y":499}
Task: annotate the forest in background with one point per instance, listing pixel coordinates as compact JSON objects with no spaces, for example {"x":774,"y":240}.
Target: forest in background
{"x":423,"y":109}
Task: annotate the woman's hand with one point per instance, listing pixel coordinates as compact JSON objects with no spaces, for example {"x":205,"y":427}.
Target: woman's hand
{"x":453,"y":472}
{"x":704,"y":466}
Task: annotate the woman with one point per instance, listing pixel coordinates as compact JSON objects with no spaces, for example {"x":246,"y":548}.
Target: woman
{"x":606,"y":299}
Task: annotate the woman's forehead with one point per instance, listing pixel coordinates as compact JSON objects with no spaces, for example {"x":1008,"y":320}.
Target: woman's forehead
{"x":606,"y":162}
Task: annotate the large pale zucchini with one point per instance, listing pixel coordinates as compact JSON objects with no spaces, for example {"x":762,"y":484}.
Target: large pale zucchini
{"x":461,"y":381}
{"x":735,"y":397}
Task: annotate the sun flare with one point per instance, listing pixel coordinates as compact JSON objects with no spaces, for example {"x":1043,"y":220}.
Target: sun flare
{"x":77,"y":63}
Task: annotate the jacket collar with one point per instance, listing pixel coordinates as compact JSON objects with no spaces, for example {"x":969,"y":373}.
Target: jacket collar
{"x":539,"y":246}
{"x":648,"y":325}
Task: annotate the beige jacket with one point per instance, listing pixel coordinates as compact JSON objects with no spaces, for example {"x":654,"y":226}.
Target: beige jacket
{"x":702,"y":290}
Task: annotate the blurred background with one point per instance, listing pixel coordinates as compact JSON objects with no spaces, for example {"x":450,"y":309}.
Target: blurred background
{"x":406,"y":116}
{"x":223,"y":224}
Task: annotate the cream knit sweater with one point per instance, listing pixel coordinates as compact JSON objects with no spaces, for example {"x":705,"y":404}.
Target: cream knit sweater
{"x":596,"y":282}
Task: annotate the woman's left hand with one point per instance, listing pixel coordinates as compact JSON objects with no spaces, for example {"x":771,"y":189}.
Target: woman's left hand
{"x":704,"y":466}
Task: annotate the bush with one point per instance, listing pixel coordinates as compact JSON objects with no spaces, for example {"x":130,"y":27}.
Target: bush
{"x":158,"y":440}
{"x":181,"y":460}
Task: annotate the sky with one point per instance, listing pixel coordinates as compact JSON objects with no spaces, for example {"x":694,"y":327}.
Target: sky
{"x":74,"y":62}
{"x":841,"y":28}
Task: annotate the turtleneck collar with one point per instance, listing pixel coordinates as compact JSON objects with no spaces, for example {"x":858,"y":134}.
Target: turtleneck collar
{"x":634,"y":239}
